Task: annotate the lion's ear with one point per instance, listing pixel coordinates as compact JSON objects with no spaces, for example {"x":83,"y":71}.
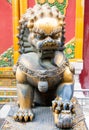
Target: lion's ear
{"x":24,"y":45}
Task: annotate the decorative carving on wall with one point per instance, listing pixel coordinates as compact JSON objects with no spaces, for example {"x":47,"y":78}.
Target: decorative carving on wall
{"x":6,"y":58}
{"x":10,"y":1}
{"x":70,"y":49}
{"x":60,"y":4}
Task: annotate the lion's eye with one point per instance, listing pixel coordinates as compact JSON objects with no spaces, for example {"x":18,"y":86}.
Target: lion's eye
{"x":55,"y":36}
{"x":40,"y":37}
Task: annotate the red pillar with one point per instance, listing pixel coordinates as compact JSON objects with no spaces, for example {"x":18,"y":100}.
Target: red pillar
{"x":84,"y":77}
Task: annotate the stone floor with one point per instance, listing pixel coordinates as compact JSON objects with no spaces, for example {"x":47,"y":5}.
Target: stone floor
{"x":86,"y":114}
{"x":1,"y":120}
{"x":39,"y":120}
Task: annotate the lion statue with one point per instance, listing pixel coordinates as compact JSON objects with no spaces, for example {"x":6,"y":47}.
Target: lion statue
{"x":43,"y":74}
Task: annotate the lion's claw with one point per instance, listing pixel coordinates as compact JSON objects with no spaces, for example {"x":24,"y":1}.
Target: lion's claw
{"x":56,"y":105}
{"x":24,"y":115}
{"x":62,"y":105}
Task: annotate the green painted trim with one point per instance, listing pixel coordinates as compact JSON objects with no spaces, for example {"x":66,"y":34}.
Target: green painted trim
{"x":10,"y":1}
{"x":61,"y":7}
{"x":70,"y":49}
{"x":6,"y":59}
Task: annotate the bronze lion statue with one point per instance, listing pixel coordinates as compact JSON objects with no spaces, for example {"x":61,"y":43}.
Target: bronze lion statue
{"x":43,"y":73}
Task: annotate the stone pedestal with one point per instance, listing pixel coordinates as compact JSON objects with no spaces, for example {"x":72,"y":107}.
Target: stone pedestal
{"x":43,"y":119}
{"x":78,"y":65}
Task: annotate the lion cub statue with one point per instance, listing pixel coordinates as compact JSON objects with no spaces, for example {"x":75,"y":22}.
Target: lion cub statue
{"x":43,"y":73}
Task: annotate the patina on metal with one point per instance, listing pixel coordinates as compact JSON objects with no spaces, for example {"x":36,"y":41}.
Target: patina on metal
{"x":44,"y":75}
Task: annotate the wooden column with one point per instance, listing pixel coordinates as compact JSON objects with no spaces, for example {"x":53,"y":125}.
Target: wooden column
{"x":79,"y":27}
{"x":19,"y":7}
{"x":16,"y":16}
{"x":23,"y":6}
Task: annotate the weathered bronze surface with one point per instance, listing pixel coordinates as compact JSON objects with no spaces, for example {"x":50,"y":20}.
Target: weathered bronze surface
{"x":43,"y":72}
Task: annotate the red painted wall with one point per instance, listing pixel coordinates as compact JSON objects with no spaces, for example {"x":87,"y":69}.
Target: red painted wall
{"x":5,"y":25}
{"x":70,"y":20}
{"x":84,"y":77}
{"x":31,"y":3}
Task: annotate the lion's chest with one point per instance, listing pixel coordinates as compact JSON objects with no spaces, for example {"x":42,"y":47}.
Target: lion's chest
{"x":52,"y":77}
{"x":36,"y":72}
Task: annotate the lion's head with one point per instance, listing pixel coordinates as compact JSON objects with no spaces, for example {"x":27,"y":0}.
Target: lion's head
{"x":46,"y":28}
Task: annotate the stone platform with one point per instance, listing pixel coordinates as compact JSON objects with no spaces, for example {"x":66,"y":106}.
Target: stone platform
{"x":43,"y":120}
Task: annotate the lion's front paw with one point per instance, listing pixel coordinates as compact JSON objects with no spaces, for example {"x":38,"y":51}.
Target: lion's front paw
{"x":63,"y":113}
{"x":64,"y":120}
{"x":59,"y":105}
{"x":24,"y":115}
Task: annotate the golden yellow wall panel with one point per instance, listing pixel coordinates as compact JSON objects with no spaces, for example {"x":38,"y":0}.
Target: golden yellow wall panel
{"x":79,"y":27}
{"x":23,"y":7}
{"x":78,"y":49}
{"x":16,"y":55}
{"x":79,"y":8}
{"x":16,"y":15}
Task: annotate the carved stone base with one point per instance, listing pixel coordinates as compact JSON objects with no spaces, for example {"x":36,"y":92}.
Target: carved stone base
{"x":43,"y":120}
{"x":78,"y":65}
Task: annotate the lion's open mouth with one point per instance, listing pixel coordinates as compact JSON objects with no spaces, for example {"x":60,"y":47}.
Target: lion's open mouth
{"x":47,"y":48}
{"x":49,"y":45}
